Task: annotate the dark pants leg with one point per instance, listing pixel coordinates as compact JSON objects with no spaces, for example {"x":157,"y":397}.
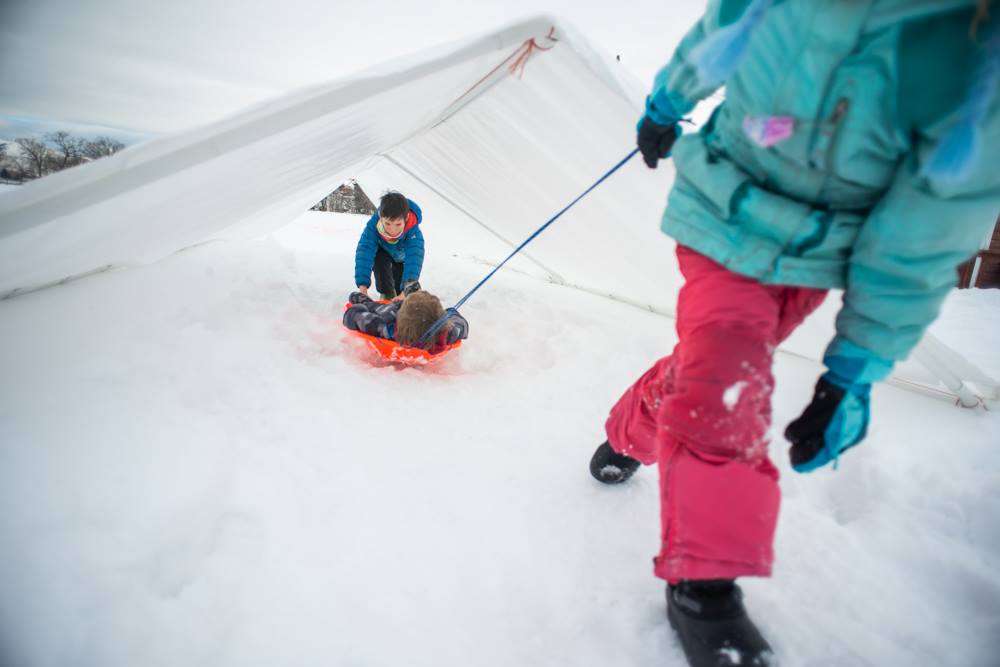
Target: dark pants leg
{"x":388,"y":274}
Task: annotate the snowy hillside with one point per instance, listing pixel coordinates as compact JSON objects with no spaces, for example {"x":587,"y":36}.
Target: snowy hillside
{"x":197,"y":467}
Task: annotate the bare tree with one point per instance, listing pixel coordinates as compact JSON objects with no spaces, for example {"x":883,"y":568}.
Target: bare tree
{"x":56,"y":151}
{"x":68,"y":149}
{"x":101,"y":147}
{"x":35,"y":157}
{"x":5,"y":169}
{"x":348,"y":198}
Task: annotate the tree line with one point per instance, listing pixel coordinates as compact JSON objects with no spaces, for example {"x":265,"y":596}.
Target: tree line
{"x":348,"y":198}
{"x":31,"y":158}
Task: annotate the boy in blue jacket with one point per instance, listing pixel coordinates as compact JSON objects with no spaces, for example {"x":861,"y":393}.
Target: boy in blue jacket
{"x":391,"y":246}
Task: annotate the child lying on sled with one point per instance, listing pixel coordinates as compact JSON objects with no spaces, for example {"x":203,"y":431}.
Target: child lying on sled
{"x":406,"y":320}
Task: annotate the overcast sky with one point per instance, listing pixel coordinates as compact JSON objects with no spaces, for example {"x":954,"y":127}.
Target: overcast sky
{"x":160,"y":66}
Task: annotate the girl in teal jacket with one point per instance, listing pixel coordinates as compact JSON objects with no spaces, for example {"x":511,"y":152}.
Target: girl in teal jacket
{"x":857,"y":150}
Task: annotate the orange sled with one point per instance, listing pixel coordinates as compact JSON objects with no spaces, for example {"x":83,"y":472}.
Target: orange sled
{"x":391,"y":351}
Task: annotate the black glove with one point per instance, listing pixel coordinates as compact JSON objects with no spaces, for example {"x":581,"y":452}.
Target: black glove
{"x":411,"y":287}
{"x":655,"y":141}
{"x":836,"y":420}
{"x":358,"y":297}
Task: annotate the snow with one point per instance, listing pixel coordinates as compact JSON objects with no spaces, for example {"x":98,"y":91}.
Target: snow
{"x":969,"y":322}
{"x":198,"y":467}
{"x":731,"y":396}
{"x":731,"y":655}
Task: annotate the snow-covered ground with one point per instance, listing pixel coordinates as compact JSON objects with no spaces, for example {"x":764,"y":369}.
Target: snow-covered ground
{"x":969,"y":323}
{"x":197,"y":467}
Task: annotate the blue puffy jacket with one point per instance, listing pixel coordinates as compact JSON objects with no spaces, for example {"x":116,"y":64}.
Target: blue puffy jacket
{"x":409,"y":249}
{"x":869,"y":88}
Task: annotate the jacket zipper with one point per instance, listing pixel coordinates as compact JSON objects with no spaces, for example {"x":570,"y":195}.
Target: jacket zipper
{"x":839,"y":111}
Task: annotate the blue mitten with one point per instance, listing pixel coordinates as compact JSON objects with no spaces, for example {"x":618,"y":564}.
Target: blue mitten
{"x":837,"y":417}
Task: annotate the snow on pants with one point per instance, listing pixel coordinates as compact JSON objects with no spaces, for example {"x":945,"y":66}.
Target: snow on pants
{"x":703,"y":414}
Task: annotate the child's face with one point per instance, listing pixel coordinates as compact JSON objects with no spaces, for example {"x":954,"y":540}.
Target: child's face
{"x":393,"y":226}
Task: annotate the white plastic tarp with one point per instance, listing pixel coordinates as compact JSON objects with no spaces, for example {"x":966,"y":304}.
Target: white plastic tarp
{"x":459,"y":117}
{"x":504,"y":130}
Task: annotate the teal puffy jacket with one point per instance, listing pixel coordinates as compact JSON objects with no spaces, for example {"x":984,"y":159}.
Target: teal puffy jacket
{"x":870,"y":87}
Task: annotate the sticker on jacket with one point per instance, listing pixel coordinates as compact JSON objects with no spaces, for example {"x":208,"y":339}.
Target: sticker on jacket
{"x":767,"y":131}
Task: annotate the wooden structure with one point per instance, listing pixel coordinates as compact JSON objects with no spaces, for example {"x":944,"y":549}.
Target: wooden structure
{"x":983,"y":270}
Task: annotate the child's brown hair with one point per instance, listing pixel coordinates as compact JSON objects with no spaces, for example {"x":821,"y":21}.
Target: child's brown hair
{"x":418,"y":312}
{"x":393,"y":206}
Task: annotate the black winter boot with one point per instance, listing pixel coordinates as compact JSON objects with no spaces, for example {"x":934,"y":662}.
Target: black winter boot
{"x":713,"y":627}
{"x":610,"y":467}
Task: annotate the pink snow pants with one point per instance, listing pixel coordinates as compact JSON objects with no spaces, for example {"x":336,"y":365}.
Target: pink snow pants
{"x":703,"y":415}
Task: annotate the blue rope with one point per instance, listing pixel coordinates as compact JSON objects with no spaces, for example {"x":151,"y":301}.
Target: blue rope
{"x":454,"y":309}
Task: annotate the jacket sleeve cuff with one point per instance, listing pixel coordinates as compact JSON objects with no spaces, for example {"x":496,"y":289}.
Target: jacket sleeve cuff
{"x":660,"y":108}
{"x":852,"y":365}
